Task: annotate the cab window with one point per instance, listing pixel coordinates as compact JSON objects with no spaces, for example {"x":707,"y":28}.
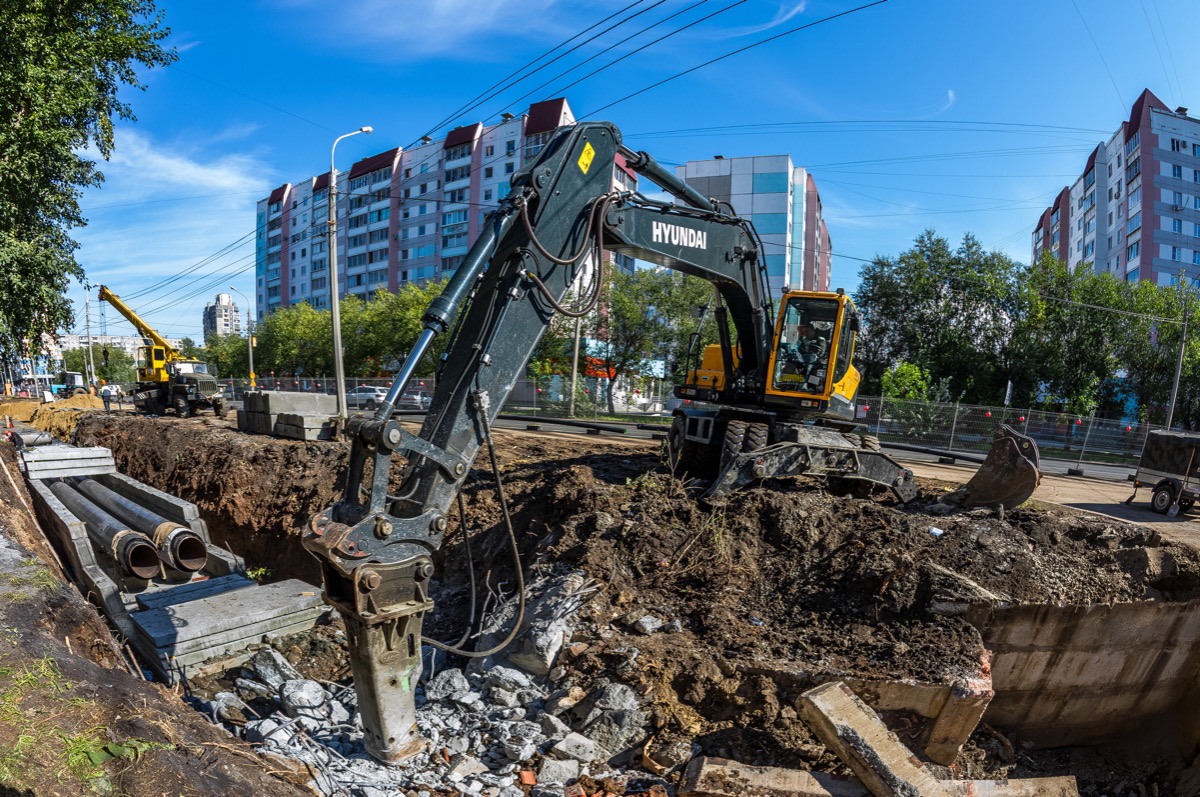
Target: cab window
{"x":805,"y":337}
{"x":845,"y":348}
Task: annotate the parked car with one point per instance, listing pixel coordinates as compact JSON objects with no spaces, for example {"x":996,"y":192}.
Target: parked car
{"x":365,"y":397}
{"x":414,"y":400}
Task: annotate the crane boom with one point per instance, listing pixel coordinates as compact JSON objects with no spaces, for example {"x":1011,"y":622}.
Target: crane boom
{"x":144,"y":329}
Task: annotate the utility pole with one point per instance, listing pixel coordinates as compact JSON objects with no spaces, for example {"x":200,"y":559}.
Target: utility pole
{"x":574,"y":371}
{"x":88,"y":323}
{"x":1179,"y":362}
{"x":339,"y":374}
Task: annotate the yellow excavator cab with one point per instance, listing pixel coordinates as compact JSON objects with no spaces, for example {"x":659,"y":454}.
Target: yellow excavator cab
{"x":812,"y":357}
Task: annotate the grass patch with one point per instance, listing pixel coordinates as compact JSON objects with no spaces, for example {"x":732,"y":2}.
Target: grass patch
{"x":30,"y":573}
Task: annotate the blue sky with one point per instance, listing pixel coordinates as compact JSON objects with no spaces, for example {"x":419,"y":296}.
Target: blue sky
{"x":960,"y":115}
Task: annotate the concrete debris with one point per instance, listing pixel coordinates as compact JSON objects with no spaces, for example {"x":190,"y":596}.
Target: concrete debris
{"x":853,"y":732}
{"x":647,"y":624}
{"x":272,"y":668}
{"x":576,"y":746}
{"x":718,"y":777}
{"x":555,"y":770}
{"x":447,"y":684}
{"x":302,"y":698}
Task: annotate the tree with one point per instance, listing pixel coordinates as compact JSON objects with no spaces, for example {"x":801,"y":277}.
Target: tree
{"x":906,"y":381}
{"x":228,"y":354}
{"x":188,"y":350}
{"x":119,"y":368}
{"x":63,"y":66}
{"x":641,"y":317}
{"x":948,"y":311}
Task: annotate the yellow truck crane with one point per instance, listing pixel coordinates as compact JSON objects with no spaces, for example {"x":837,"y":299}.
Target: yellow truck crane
{"x":164,"y":378}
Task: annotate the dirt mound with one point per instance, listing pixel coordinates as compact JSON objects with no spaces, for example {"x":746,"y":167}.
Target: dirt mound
{"x":84,"y":402}
{"x":20,"y":409}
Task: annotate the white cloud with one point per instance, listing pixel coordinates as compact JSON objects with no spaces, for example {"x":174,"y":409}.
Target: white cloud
{"x":163,"y":209}
{"x":786,"y":12}
{"x":431,"y":27}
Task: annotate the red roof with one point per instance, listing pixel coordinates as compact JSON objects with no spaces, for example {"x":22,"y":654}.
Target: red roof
{"x":466,"y":134}
{"x":368,"y":165}
{"x":1145,"y":100}
{"x":320,"y":182}
{"x":279,"y":193}
{"x":547,"y":115}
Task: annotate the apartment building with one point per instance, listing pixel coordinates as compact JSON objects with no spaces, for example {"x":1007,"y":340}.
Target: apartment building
{"x":404,"y":215}
{"x":1134,"y":212}
{"x":221,"y":317}
{"x":783,"y":202}
{"x":126,"y":343}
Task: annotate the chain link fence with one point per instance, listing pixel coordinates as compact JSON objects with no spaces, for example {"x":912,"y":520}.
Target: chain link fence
{"x":953,"y":427}
{"x":969,"y":428}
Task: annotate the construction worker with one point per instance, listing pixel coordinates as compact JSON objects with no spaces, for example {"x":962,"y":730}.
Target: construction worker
{"x":106,"y":393}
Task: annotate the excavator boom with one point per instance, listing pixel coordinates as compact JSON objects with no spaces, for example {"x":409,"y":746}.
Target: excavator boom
{"x":773,"y":415}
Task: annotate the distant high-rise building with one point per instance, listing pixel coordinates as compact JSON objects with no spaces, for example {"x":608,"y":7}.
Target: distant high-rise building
{"x":404,"y":215}
{"x":222,"y":318}
{"x":1135,"y":210}
{"x":783,"y":203}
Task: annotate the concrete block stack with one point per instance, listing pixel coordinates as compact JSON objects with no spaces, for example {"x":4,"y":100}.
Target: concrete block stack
{"x":301,"y":416}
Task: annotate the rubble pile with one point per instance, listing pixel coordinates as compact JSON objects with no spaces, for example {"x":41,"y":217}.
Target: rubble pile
{"x":489,"y":733}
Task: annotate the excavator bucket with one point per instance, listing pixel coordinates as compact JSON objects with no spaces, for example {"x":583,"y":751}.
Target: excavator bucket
{"x":1008,"y":476}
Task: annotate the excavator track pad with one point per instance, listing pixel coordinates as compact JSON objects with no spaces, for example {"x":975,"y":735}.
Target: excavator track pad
{"x":1008,"y":476}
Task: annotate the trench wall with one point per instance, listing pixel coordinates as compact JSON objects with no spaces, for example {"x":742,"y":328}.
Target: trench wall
{"x":1068,"y":675}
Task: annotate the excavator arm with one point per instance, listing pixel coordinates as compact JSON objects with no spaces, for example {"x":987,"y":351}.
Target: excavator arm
{"x":375,"y":547}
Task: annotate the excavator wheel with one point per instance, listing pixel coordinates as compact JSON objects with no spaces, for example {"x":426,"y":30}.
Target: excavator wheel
{"x":731,"y":443}
{"x":687,"y":458}
{"x":182,"y":408}
{"x":741,"y":437}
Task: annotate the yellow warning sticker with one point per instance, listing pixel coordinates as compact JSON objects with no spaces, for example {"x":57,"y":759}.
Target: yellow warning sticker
{"x":585,"y":159}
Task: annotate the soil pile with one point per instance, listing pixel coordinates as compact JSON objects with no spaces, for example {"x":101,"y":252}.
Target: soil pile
{"x":20,"y":409}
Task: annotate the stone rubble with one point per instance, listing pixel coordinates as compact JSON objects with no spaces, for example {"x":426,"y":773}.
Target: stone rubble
{"x":484,"y":726}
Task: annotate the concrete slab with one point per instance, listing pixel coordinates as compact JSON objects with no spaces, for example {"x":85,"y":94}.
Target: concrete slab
{"x":719,"y":777}
{"x":854,"y":732}
{"x":193,"y":591}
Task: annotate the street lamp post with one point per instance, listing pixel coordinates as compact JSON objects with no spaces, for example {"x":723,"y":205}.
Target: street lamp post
{"x":338,"y":370}
{"x":249,"y":334}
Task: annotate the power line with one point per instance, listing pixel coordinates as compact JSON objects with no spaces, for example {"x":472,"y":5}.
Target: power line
{"x":479,"y":99}
{"x":736,"y":52}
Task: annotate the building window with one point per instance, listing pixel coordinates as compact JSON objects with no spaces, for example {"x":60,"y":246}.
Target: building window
{"x":1133,"y":169}
{"x":1177,"y":253}
{"x":459,"y":173}
{"x":487,"y":172}
{"x":1178,"y":145}
{"x":1177,"y":171}
{"x":1133,"y":250}
{"x":1134,"y":222}
{"x":510,"y":147}
{"x":1177,"y":226}
{"x":487,"y":195}
{"x":508,"y":167}
{"x":489,"y":150}
{"x":461,"y":151}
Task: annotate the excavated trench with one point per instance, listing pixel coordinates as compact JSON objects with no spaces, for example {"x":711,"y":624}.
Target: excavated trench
{"x":775,"y":589}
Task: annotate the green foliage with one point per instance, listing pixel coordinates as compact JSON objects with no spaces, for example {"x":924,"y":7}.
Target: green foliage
{"x":648,"y":315}
{"x":63,"y":66}
{"x":1078,"y":341}
{"x":120,"y":367}
{"x":906,"y":381}
{"x":947,"y":311}
{"x":189,"y":350}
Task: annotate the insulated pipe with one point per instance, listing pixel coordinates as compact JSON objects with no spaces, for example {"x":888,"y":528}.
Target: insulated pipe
{"x":179,"y":546}
{"x":132,"y":550}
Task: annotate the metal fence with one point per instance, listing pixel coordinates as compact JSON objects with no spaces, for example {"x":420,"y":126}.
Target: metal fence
{"x":969,"y":427}
{"x":954,"y":427}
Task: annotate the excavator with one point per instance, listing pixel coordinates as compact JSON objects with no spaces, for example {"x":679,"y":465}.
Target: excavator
{"x":774,"y":397}
{"x":164,"y":377}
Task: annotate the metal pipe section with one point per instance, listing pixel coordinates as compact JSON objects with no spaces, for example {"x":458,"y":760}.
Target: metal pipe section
{"x":179,"y":546}
{"x":132,"y":550}
{"x":645,"y":165}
